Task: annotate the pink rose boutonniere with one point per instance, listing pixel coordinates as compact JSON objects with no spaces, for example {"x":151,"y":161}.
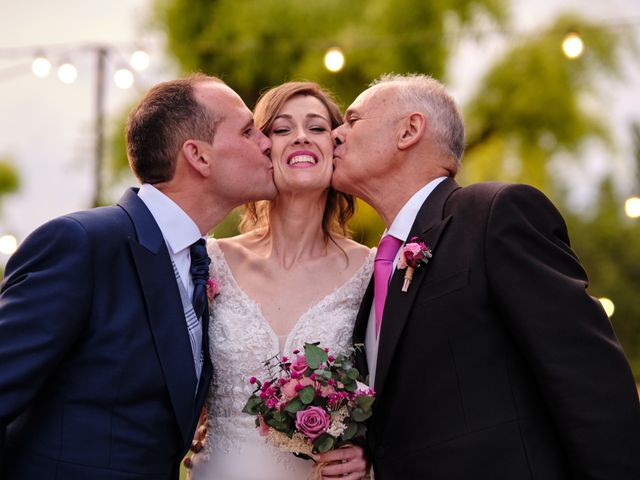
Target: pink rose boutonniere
{"x":414,"y":253}
{"x":213,"y":288}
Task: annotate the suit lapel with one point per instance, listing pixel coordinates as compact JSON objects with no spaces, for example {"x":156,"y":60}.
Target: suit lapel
{"x":164,"y":308}
{"x":360,"y":330}
{"x":429,"y":226}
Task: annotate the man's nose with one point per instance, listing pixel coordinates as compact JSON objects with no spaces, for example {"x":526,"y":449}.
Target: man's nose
{"x":336,"y":138}
{"x":265,"y":144}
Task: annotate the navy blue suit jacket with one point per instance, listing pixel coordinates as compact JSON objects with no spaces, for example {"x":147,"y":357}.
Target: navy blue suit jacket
{"x":496,"y":363}
{"x":96,"y":373}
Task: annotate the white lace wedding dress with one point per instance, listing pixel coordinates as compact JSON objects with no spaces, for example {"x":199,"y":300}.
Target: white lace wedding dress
{"x":241,"y":339}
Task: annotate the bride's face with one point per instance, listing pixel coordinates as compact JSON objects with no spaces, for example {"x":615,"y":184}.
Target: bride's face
{"x":301,"y":146}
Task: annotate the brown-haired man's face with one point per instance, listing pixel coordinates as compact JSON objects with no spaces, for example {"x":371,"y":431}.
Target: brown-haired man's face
{"x":242,"y":169}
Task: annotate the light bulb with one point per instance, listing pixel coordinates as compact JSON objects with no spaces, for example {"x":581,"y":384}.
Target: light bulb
{"x":67,"y":73}
{"x":632,"y":207}
{"x":123,"y":78}
{"x":334,"y":60}
{"x":608,"y":306}
{"x":8,"y":244}
{"x":572,"y":45}
{"x":41,"y":66}
{"x":140,"y":60}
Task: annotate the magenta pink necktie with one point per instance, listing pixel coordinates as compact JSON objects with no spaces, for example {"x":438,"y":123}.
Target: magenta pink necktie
{"x":382,"y":266}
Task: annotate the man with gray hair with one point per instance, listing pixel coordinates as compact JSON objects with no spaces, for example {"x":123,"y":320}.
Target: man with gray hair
{"x":488,"y":357}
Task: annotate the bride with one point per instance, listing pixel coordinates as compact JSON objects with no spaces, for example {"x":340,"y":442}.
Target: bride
{"x":292,"y":277}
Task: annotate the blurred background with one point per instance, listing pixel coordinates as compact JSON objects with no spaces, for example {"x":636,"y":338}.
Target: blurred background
{"x":550,"y":92}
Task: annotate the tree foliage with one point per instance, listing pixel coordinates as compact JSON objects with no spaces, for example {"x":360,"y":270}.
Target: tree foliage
{"x":256,"y":44}
{"x":532,"y":105}
{"x":9,"y":178}
{"x":609,"y":249}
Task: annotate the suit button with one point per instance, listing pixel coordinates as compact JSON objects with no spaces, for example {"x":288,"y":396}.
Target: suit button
{"x":379,"y":452}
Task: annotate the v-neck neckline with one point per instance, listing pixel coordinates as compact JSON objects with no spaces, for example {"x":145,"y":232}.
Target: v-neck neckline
{"x":300,"y":320}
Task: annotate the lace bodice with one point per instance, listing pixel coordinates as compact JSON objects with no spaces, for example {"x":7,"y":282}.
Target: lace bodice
{"x":241,"y":339}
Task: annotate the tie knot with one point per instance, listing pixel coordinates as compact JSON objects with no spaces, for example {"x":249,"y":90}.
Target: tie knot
{"x":388,"y":248}
{"x":200,"y":262}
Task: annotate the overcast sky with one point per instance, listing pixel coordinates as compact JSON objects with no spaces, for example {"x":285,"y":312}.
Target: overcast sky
{"x":47,"y":127}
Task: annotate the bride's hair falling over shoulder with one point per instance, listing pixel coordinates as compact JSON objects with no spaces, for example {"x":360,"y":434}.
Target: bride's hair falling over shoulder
{"x":340,"y":207}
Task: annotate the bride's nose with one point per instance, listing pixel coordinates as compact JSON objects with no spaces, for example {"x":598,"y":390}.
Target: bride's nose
{"x":301,"y":137}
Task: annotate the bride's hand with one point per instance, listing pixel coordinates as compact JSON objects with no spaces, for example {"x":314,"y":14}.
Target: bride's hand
{"x":192,"y":462}
{"x":344,"y":463}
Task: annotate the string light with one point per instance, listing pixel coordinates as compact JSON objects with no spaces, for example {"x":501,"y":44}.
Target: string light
{"x":572,"y":46}
{"x":8,"y":244}
{"x":140,"y":60}
{"x":334,"y":60}
{"x":632,"y":207}
{"x":608,"y":306}
{"x":67,"y":73}
{"x":41,"y":66}
{"x":123,"y":78}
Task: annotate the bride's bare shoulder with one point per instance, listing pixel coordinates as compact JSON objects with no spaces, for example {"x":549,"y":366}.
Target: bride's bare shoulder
{"x":238,"y":247}
{"x":356,"y":252}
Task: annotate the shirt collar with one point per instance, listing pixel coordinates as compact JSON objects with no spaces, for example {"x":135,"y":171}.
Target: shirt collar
{"x":178,"y":229}
{"x":401,"y":225}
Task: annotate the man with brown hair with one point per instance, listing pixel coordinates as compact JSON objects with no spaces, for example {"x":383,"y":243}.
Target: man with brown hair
{"x":104,"y":362}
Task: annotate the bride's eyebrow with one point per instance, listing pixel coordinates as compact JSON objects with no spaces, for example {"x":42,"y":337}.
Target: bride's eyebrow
{"x":317,"y":115}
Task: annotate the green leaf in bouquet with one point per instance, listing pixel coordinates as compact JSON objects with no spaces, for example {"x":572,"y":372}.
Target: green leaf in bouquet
{"x":350,"y":432}
{"x":324,"y":443}
{"x":353,"y":373}
{"x":365,"y":402}
{"x":307,"y":394}
{"x":350,"y":385}
{"x":359,"y":415}
{"x":252,"y":405}
{"x":362,"y":430}
{"x":314,"y":355}
{"x":279,"y":421}
{"x":294,"y":405}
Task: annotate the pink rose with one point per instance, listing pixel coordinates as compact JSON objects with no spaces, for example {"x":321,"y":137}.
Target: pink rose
{"x":413,"y":254}
{"x":291,"y":388}
{"x":312,"y":422}
{"x":299,"y":366}
{"x":326,"y":390}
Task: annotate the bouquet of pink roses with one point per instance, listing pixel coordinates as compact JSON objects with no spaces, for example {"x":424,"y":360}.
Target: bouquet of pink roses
{"x":311,"y":404}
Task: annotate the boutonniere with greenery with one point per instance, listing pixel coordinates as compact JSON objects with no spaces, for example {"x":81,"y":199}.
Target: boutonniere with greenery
{"x":414,"y":253}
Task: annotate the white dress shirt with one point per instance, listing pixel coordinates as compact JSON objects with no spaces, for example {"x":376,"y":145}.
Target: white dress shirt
{"x":400,"y":228}
{"x":178,"y":229}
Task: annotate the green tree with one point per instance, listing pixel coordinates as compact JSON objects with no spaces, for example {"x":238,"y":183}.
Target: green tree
{"x":9,"y":179}
{"x":255,"y":44}
{"x":9,"y":183}
{"x":530,"y":106}
{"x":608,"y":247}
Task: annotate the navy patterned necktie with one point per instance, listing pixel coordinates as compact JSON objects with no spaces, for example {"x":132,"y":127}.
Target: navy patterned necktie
{"x":200,"y":262}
